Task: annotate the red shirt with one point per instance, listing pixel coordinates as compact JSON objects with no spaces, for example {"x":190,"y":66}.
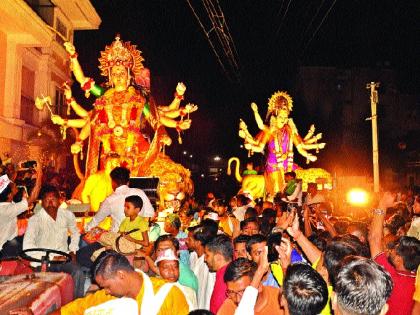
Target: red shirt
{"x":219,"y":292}
{"x":401,"y":300}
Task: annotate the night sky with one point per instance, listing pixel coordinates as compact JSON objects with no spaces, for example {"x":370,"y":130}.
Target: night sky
{"x":272,"y":39}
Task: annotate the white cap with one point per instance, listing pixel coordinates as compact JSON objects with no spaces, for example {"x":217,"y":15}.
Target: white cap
{"x":212,"y":215}
{"x":4,"y":181}
{"x":167,"y":254}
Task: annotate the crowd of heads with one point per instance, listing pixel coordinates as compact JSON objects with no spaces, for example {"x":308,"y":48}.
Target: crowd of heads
{"x":240,"y":234}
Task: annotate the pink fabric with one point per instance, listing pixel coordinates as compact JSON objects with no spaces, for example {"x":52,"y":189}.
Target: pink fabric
{"x":41,"y":292}
{"x":219,"y":292}
{"x":401,"y":300}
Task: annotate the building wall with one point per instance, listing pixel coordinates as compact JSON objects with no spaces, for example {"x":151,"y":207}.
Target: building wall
{"x":33,"y":62}
{"x":339,"y":98}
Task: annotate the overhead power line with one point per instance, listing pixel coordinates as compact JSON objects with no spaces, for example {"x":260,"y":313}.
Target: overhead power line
{"x":219,"y":37}
{"x":319,"y":26}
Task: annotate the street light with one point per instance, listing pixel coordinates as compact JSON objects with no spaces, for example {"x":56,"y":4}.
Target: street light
{"x":217,"y":158}
{"x":185,"y":152}
{"x":357,"y":197}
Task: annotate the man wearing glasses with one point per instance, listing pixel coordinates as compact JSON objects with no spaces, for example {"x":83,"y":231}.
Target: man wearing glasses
{"x":238,"y":277}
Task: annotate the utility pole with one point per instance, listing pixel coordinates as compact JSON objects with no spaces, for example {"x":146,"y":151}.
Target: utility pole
{"x":372,"y":86}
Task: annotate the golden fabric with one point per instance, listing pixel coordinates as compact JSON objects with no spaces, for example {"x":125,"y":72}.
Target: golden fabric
{"x":175,"y":302}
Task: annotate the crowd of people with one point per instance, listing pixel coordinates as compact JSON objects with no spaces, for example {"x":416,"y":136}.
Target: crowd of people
{"x":224,"y":256}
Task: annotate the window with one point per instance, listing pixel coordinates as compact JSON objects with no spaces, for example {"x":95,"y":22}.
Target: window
{"x":60,"y":104}
{"x":27,"y":104}
{"x":44,"y":9}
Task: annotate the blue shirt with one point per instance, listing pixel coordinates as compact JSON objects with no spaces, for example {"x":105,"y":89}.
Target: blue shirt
{"x":184,"y":254}
{"x":187,"y":277}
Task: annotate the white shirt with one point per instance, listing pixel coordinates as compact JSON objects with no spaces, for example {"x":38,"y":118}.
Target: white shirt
{"x":239,"y":212}
{"x":122,"y":305}
{"x":414,"y":230}
{"x":113,"y":206}
{"x":8,"y":219}
{"x":45,"y":232}
{"x":247,"y":304}
{"x":206,"y":280}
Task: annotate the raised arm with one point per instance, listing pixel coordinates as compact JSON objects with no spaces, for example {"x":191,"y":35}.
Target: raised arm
{"x":75,"y":65}
{"x":35,"y":191}
{"x":327,"y":224}
{"x":250,"y":143}
{"x":178,"y":97}
{"x":79,"y":110}
{"x":310,"y":250}
{"x":257,"y":116}
{"x":249,"y":298}
{"x":307,"y":221}
{"x":376,"y":227}
{"x":86,"y":83}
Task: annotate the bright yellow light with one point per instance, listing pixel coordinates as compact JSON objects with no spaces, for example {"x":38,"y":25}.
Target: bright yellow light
{"x":357,"y":197}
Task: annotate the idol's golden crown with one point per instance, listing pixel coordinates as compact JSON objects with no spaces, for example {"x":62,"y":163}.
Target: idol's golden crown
{"x":120,"y":53}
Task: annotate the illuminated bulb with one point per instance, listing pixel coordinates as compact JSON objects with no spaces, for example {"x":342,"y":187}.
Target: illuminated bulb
{"x":357,"y":197}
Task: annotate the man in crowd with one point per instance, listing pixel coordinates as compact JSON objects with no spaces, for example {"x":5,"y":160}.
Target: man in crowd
{"x":113,"y":206}
{"x":239,"y":246}
{"x":117,"y":278}
{"x":313,"y":196}
{"x":218,"y":254}
{"x":250,"y":226}
{"x":293,"y":189}
{"x":242,"y":203}
{"x":164,"y":242}
{"x":255,"y":248}
{"x":198,"y":237}
{"x":168,"y":264}
{"x":414,"y":230}
{"x":402,"y":262}
{"x":49,"y":229}
{"x":10,"y":242}
{"x":173,"y":227}
{"x":238,"y":276}
{"x":304,"y":291}
{"x":228,"y":224}
{"x":362,"y":287}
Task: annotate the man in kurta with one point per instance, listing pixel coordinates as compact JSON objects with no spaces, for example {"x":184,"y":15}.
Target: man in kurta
{"x":117,"y":278}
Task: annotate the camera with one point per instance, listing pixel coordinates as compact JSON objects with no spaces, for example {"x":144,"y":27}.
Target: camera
{"x":21,"y":190}
{"x":27,"y":164}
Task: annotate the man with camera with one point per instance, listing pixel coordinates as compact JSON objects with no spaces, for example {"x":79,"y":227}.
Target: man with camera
{"x":10,"y":242}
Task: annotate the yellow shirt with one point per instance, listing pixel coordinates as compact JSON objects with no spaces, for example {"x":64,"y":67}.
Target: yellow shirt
{"x":228,"y":224}
{"x":140,"y":223}
{"x":416,"y":296}
{"x":327,"y":308}
{"x":175,"y":302}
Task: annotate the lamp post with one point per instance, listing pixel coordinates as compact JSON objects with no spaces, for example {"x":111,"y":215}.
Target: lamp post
{"x":372,"y":86}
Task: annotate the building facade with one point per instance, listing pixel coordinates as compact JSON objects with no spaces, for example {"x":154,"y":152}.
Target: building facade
{"x":33,"y":62}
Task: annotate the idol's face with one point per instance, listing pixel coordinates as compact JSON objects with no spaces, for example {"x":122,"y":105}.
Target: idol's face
{"x":119,"y":77}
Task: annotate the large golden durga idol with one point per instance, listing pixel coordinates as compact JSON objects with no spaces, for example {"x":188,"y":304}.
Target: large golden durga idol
{"x":125,"y":126}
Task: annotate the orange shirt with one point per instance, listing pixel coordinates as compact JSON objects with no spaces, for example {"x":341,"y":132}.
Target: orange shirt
{"x":272,"y":306}
{"x":175,"y":302}
{"x":228,"y":224}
